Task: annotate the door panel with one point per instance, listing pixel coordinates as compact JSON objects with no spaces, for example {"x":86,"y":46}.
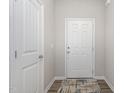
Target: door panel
{"x":31,"y":16}
{"x":30,"y":76}
{"x":28,"y":45}
{"x":79,"y":53}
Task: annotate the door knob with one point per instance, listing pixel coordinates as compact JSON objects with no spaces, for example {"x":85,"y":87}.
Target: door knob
{"x":40,"y":56}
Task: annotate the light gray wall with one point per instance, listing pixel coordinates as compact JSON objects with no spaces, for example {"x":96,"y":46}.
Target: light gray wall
{"x":49,"y":70}
{"x":79,"y":8}
{"x":109,"y":43}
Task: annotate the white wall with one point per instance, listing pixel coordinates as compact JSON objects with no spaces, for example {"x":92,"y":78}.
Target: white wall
{"x":49,"y":40}
{"x":79,"y":8}
{"x":109,"y":43}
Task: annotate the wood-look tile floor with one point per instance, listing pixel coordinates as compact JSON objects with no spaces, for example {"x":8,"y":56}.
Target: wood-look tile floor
{"x":103,"y":86}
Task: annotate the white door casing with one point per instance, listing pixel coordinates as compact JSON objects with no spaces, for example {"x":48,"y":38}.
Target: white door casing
{"x":80,"y":47}
{"x":28,"y":46}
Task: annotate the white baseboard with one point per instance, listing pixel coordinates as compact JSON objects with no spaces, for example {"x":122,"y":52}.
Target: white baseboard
{"x":109,"y":84}
{"x":60,"y":78}
{"x":104,"y":78}
{"x":99,"y":77}
{"x":49,"y":85}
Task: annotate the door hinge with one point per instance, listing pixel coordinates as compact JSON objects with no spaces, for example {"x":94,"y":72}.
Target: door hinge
{"x":15,"y":54}
{"x":40,"y":56}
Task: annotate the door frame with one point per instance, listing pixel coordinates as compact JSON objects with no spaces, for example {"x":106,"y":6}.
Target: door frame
{"x":93,"y":43}
{"x":42,"y":68}
{"x":12,"y":47}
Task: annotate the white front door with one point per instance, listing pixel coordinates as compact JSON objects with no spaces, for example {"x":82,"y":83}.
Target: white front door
{"x":79,"y":45}
{"x":28,"y":46}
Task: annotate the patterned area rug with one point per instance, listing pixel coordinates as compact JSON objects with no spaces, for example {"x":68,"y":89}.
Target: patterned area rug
{"x":80,"y":86}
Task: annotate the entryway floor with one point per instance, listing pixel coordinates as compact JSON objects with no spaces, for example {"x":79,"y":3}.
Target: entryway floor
{"x":80,"y":86}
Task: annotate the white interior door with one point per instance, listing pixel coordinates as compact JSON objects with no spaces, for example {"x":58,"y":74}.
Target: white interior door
{"x":28,"y":45}
{"x":79,"y":45}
